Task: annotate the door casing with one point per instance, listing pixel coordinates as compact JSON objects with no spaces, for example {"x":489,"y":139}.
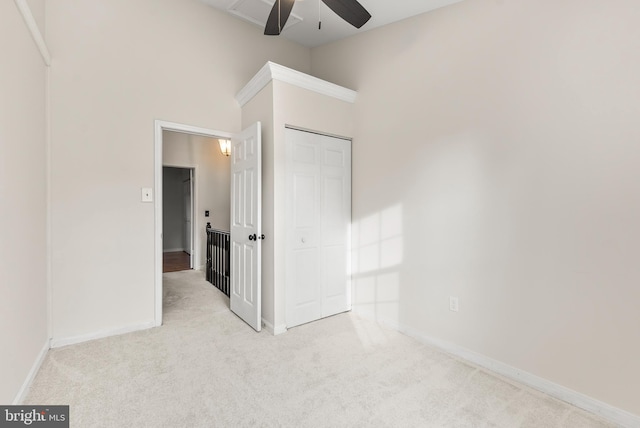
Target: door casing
{"x":190,"y":199}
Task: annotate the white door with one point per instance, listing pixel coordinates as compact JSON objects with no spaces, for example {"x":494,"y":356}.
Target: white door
{"x":318,"y":220}
{"x":246,"y":234}
{"x":303,"y":277}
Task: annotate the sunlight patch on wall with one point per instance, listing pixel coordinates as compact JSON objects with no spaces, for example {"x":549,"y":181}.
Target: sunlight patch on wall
{"x":377,"y":241}
{"x":377,"y":251}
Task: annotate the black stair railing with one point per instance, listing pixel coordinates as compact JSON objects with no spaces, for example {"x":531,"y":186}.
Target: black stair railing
{"x":218,"y":260}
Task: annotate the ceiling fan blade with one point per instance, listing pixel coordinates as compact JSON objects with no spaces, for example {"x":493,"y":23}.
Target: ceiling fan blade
{"x":278,"y":17}
{"x":349,"y":10}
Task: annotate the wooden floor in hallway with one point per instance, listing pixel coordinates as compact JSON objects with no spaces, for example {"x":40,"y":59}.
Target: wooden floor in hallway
{"x":175,"y":261}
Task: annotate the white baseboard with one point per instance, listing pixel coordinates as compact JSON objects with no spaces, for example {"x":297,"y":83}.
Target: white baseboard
{"x":173,"y":250}
{"x":274,"y":330}
{"x":57,"y":343}
{"x":267,"y":326}
{"x":32,"y":374}
{"x":604,"y":410}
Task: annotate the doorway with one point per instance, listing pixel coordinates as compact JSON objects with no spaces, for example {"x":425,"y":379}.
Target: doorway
{"x":172,"y":149}
{"x":177,"y":224}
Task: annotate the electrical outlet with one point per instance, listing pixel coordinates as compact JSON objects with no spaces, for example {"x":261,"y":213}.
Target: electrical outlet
{"x":453,"y":304}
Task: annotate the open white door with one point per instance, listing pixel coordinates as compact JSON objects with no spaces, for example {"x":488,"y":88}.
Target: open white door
{"x":246,"y":234}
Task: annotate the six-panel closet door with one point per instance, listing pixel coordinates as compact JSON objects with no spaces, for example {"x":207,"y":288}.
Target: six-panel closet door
{"x":318,"y":218}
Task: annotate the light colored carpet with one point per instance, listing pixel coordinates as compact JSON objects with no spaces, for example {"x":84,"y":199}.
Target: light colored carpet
{"x":206,"y":368}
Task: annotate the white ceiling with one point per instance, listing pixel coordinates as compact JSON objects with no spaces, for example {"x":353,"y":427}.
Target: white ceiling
{"x":302,"y":26}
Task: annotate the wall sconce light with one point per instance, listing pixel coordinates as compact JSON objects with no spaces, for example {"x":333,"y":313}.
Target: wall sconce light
{"x":225,"y":146}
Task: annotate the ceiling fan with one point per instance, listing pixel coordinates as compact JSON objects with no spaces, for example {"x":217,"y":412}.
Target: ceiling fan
{"x":349,"y":10}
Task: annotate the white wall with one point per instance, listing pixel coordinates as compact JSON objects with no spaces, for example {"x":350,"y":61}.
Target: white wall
{"x":23,"y":201}
{"x":496,"y":159}
{"x":173,"y":208}
{"x":117,"y":66}
{"x":212,"y":181}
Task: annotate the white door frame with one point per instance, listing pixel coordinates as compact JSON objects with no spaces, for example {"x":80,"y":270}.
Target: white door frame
{"x":159,"y":127}
{"x":194,"y":237}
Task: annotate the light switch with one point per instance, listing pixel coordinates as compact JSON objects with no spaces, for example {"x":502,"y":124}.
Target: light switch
{"x":147,"y":194}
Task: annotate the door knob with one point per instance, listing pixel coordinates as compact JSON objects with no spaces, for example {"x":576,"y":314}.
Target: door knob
{"x":303,"y":240}
{"x":253,"y":237}
{"x":261,"y":236}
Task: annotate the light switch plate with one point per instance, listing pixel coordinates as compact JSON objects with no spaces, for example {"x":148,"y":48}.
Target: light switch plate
{"x":147,"y":194}
{"x":454,"y":304}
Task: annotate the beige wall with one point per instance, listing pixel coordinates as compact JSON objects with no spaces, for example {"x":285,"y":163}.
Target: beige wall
{"x":23,"y":201}
{"x":38,"y":11}
{"x":212,"y":181}
{"x":496,"y":159}
{"x":117,"y":66}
